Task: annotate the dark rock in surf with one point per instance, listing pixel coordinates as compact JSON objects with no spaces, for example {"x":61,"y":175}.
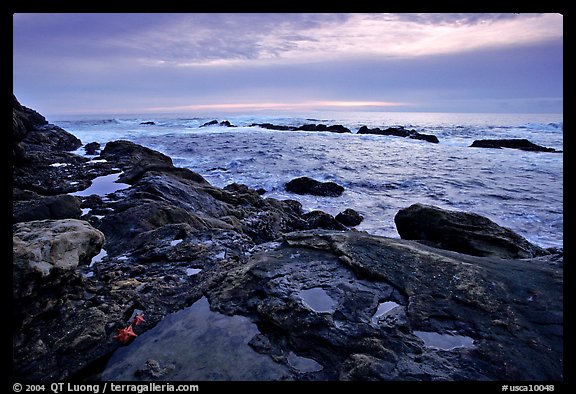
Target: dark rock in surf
{"x":337,"y":128}
{"x":214,"y":122}
{"x":399,"y":132}
{"x":323,"y":220}
{"x":394,"y":131}
{"x":149,"y":123}
{"x":424,"y":137}
{"x":211,"y":123}
{"x":92,"y":148}
{"x":270,"y":126}
{"x":226,"y":123}
{"x":305,"y":185}
{"x":349,"y":217}
{"x":520,"y":143}
{"x":463,"y":232}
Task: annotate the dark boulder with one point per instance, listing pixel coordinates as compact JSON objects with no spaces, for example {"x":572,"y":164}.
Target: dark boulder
{"x":305,"y":185}
{"x":463,"y":232}
{"x":323,"y":220}
{"x":520,"y":143}
{"x":92,"y":148}
{"x":149,"y":123}
{"x":349,"y":217}
{"x":29,"y":206}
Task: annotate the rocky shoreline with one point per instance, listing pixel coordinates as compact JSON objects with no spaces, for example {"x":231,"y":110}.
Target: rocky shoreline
{"x":329,"y":302}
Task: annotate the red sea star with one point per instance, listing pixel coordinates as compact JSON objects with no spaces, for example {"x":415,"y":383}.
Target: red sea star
{"x":138,"y":319}
{"x":125,"y":335}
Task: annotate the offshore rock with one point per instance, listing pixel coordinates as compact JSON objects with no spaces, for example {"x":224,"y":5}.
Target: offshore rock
{"x":214,"y":122}
{"x":520,"y":143}
{"x":337,"y":128}
{"x":463,"y":232}
{"x":399,"y":132}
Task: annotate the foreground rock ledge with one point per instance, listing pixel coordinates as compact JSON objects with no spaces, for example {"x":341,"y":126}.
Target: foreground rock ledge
{"x":512,"y":312}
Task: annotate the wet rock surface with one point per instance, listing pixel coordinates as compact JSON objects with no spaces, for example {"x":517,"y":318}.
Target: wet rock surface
{"x":318,"y":301}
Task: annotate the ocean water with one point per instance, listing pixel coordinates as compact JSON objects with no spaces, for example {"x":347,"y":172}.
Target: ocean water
{"x":381,"y":174}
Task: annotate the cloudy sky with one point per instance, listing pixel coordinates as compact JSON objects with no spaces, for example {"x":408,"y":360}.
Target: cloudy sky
{"x":219,"y":63}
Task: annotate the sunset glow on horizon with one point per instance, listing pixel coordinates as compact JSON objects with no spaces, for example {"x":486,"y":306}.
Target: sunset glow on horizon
{"x":286,"y":106}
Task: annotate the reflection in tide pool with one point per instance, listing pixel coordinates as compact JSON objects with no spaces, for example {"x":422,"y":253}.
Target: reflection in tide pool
{"x":444,"y":341}
{"x":103,"y":185}
{"x":383,"y":308}
{"x":192,"y":271}
{"x":317,"y":300}
{"x":196,"y":344}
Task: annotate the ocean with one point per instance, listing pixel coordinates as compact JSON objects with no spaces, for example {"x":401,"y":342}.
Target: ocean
{"x":381,"y":174}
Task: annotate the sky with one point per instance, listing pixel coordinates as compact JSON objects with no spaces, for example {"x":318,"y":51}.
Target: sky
{"x":246,"y":63}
